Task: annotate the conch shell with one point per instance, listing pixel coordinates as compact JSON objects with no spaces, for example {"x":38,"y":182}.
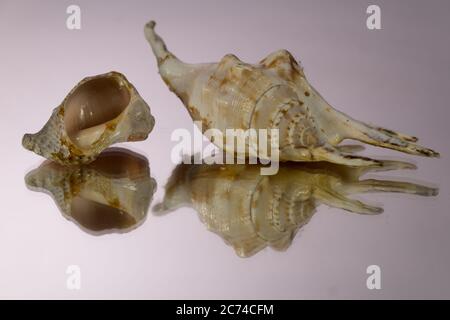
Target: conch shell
{"x":98,"y":112}
{"x":112,"y":193}
{"x":273,"y":94}
{"x":251,"y":211}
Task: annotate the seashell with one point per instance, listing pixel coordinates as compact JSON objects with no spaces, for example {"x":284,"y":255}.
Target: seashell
{"x":98,"y":112}
{"x":251,"y":212}
{"x":112,"y":193}
{"x":272,"y":94}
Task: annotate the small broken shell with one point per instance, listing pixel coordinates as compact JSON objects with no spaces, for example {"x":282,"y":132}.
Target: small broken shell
{"x":250,"y":211}
{"x":98,"y":112}
{"x":272,"y":94}
{"x":112,"y":193}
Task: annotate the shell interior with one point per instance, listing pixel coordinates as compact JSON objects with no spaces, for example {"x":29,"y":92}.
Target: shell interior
{"x":93,"y":210}
{"x":96,"y":216}
{"x":91,"y":106}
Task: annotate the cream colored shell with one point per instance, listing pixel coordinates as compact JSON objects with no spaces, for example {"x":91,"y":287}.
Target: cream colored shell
{"x":98,"y":112}
{"x":272,"y":94}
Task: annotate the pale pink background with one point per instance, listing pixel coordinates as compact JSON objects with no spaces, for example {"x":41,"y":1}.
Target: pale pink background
{"x":397,"y":77}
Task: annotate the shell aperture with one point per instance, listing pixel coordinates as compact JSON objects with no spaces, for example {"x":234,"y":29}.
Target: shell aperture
{"x":98,"y":112}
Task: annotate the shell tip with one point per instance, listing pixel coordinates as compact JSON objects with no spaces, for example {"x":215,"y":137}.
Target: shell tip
{"x":374,"y":210}
{"x":29,"y":181}
{"x":160,"y":209}
{"x":433,"y":192}
{"x":150,"y":25}
{"x":27,"y":141}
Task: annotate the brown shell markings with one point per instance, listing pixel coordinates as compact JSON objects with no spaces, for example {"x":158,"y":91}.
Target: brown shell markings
{"x":110,"y":194}
{"x":272,"y":94}
{"x":98,"y":112}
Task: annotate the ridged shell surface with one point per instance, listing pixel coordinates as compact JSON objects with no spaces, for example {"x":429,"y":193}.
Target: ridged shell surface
{"x":271,"y":94}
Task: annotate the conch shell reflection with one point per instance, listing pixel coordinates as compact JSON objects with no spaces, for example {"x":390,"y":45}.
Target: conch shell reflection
{"x":251,"y":211}
{"x":271,"y":94}
{"x":113,"y":193}
{"x":98,"y":112}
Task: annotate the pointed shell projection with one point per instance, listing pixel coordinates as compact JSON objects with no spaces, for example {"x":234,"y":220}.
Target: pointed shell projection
{"x":272,"y":94}
{"x":112,"y":193}
{"x":98,"y":112}
{"x":250,"y":211}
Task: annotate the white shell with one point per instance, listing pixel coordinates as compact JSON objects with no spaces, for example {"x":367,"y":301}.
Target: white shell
{"x":112,"y":193}
{"x":272,"y":94}
{"x":98,"y":112}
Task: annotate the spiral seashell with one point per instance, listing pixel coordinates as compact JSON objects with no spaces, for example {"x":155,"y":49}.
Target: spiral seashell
{"x":273,"y":94}
{"x":251,"y":211}
{"x":112,"y":193}
{"x":98,"y":112}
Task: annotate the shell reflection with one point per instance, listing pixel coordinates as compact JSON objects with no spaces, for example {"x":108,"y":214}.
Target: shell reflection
{"x":250,"y":211}
{"x":113,"y":193}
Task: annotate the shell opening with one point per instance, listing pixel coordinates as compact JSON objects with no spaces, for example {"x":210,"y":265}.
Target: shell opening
{"x":97,"y":216}
{"x":91,"y":106}
{"x":117,"y":162}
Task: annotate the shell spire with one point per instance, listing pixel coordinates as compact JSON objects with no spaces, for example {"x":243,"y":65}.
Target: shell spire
{"x":178,"y":75}
{"x":158,"y":46}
